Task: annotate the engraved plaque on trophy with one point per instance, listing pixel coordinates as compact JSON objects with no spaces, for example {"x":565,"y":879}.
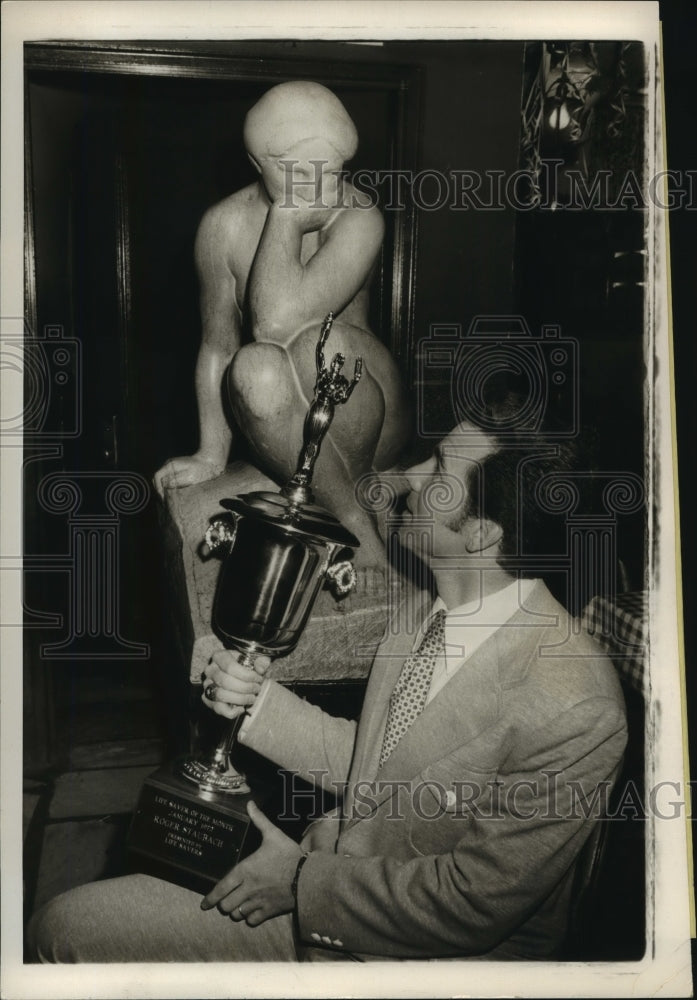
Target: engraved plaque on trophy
{"x":278,"y":549}
{"x":189,"y":836}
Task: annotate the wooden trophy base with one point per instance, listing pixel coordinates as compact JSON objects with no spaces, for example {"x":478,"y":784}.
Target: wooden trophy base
{"x":189,"y":836}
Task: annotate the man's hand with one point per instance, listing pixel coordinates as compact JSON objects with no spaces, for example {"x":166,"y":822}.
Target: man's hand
{"x":236,"y":687}
{"x":260,"y":886}
{"x":186,"y":471}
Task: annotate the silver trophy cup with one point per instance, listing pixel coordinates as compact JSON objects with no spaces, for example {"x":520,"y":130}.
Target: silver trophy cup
{"x":277,"y":549}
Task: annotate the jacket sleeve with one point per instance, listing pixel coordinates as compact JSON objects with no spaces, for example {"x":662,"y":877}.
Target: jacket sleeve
{"x":301,"y":737}
{"x":506,"y":863}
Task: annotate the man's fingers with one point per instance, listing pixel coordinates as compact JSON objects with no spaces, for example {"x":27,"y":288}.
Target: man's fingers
{"x":228,"y":698}
{"x":257,"y":916}
{"x":260,"y":820}
{"x":240,"y":693}
{"x":222,"y":708}
{"x":229,"y":661}
{"x":239,"y":906}
{"x":228,"y":693}
{"x":233,"y":905}
{"x":241,"y":679}
{"x":228,"y":884}
{"x":261,"y":665}
{"x":239,"y":903}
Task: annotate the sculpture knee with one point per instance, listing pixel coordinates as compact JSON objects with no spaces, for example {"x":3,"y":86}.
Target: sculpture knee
{"x":260,"y":382}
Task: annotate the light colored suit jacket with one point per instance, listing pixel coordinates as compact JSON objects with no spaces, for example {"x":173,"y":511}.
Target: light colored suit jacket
{"x":464,"y":842}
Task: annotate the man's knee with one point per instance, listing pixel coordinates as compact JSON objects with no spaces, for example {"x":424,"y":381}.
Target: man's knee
{"x":54,"y":931}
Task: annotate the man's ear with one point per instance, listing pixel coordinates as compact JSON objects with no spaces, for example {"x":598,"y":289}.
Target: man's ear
{"x":255,"y":163}
{"x":481,"y":534}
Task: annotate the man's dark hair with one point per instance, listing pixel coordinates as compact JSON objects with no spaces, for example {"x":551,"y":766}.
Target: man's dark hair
{"x":517,"y":485}
{"x":506,"y":489}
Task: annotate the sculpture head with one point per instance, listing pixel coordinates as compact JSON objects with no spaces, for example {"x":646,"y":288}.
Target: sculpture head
{"x":303,"y":123}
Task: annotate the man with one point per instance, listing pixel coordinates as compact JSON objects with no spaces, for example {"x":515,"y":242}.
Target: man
{"x":466,"y":788}
{"x":274,"y":259}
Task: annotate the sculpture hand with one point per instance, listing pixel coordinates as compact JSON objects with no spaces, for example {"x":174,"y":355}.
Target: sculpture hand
{"x":186,"y":471}
{"x":310,"y":206}
{"x":259,"y":887}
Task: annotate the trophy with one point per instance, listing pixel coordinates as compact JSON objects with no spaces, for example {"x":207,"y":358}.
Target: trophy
{"x":277,"y":549}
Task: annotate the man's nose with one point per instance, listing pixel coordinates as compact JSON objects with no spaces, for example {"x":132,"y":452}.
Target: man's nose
{"x":416,"y":474}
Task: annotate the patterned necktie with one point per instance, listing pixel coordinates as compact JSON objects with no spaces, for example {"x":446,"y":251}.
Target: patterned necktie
{"x":408,"y":699}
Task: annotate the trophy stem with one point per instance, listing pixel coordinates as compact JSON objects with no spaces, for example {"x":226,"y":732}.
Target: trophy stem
{"x":215,"y":772}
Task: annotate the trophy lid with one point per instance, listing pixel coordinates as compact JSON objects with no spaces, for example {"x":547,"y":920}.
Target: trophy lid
{"x":306,"y":519}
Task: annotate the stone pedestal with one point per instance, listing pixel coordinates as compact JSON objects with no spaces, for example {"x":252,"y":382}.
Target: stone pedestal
{"x":340,"y":638}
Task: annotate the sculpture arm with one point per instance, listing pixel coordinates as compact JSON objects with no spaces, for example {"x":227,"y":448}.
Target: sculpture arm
{"x":287,"y":295}
{"x":215,"y":436}
{"x":220,"y":321}
{"x":221,"y":335}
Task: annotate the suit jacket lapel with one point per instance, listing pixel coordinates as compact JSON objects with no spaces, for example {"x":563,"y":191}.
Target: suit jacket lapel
{"x":461,"y":709}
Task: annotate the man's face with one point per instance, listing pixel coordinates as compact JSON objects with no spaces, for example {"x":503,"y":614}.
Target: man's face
{"x":440,"y":488}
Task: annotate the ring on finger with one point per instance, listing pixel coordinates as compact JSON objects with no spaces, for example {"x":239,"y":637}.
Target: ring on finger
{"x":239,"y":910}
{"x":210,"y":690}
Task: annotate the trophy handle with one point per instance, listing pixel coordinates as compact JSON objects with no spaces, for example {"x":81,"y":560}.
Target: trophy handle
{"x":342,"y":577}
{"x":221,"y":533}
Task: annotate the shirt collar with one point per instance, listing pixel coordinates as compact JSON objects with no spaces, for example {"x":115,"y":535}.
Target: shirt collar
{"x":494,"y":609}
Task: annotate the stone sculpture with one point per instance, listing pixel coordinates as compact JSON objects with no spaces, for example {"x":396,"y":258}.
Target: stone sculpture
{"x":274,"y":259}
